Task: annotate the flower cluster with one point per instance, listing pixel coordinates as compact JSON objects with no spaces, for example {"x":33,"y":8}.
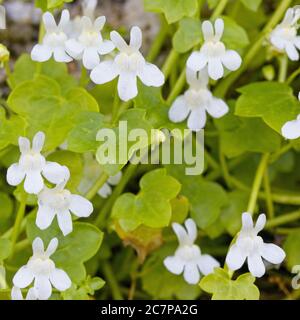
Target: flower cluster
{"x":82,"y":40}
{"x":284,"y":37}
{"x":207,"y":63}
{"x":32,"y":168}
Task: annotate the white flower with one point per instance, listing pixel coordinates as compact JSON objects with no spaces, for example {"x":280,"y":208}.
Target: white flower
{"x":106,"y":190}
{"x":59,"y":201}
{"x":196,"y":102}
{"x":89,"y":8}
{"x":2,"y":18}
{"x":54,"y":41}
{"x":213,"y":53}
{"x":188,"y":258}
{"x":284,"y":37}
{"x":41,"y":269}
{"x":128,"y":65}
{"x":32,"y":165}
{"x":291,"y":129}
{"x":250,"y":246}
{"x":16,"y":294}
{"x":89,"y":44}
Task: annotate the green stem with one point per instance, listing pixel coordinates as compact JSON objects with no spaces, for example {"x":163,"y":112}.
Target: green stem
{"x":276,"y":155}
{"x":99,"y":183}
{"x":127,"y":175}
{"x":219,"y":9}
{"x":224,"y":169}
{"x":283,"y":66}
{"x":257,"y":182}
{"x":115,"y":109}
{"x":283,"y":219}
{"x":169,"y":63}
{"x":177,"y":88}
{"x":292,"y":77}
{"x":268,"y":192}
{"x":159,"y":40}
{"x":18,"y":221}
{"x":227,"y":83}
{"x":211,"y":161}
{"x":112,"y":282}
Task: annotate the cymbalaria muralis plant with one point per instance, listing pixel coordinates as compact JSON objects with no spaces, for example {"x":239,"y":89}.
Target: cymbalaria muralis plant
{"x":77,"y":223}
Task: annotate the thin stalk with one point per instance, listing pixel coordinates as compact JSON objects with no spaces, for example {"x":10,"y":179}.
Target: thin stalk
{"x":257,"y":182}
{"x":283,"y":66}
{"x":269,"y":201}
{"x":224,"y":169}
{"x":179,"y":85}
{"x":219,"y":9}
{"x":99,"y":183}
{"x":170,"y":62}
{"x":112,"y":281}
{"x":293,"y":76}
{"x":283,"y":219}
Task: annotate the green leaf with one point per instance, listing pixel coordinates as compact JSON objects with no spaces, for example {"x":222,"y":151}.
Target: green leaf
{"x":239,"y":135}
{"x":73,"y":250}
{"x":108,"y":151}
{"x":291,"y":248}
{"x":188,"y":35}
{"x":174,"y":10}
{"x":252,"y":4}
{"x":56,"y":110}
{"x":6,"y":212}
{"x":272,"y":101}
{"x":151,"y":206}
{"x":162,"y":284}
{"x":222,"y":287}
{"x":75,"y":164}
{"x":10,"y":129}
{"x":5,"y":248}
{"x":26,"y":69}
{"x":206,"y":198}
{"x":235,"y":37}
{"x":82,"y":137}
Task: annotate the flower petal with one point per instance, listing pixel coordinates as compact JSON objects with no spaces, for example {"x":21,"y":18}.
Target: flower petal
{"x":61,"y":56}
{"x":260,"y":222}
{"x":60,"y":280}
{"x":64,"y":19}
{"x":105,"y":191}
{"x":215,"y":68}
{"x":181,"y":234}
{"x":197,"y":119}
{"x":174,"y":264}
{"x":191,"y":273}
{"x":114,"y":180}
{"x":291,"y":129}
{"x":41,"y":53}
{"x":80,"y":206}
{"x":247,"y":221}
{"x":292,"y":52}
{"x":49,"y":22}
{"x":179,"y":110}
{"x":52,"y":246}
{"x":99,"y":23}
{"x":34,"y":182}
{"x":136,"y":38}
{"x":105,"y":47}
{"x":272,"y":253}
{"x":23,"y":277}
{"x":24,"y":144}
{"x":256,"y":265}
{"x":38,"y":141}
{"x":231,"y":60}
{"x":235,"y":258}
{"x":43,"y":287}
{"x":15,"y":175}
{"x":90,"y":58}
{"x":106,"y":71}
{"x":197,"y":61}
{"x":191,"y":229}
{"x":207,"y":264}
{"x":31,"y":294}
{"x":16,"y":293}
{"x":64,"y":220}
{"x":150,"y":75}
{"x":197,"y":80}
{"x":38,"y":246}
{"x":127,"y":86}
{"x":219,"y":29}
{"x":55,"y":173}
{"x":118,"y":41}
{"x":44,"y":217}
{"x":74,"y":48}
{"x":217,"y":108}
{"x":207,"y":30}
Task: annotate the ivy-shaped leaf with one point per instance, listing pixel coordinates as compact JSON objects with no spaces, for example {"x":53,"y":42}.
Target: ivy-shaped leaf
{"x":73,"y":250}
{"x":274,"y":102}
{"x":151,"y":206}
{"x":56,"y":110}
{"x":174,"y":10}
{"x":252,"y":4}
{"x":291,"y":248}
{"x":222,"y":287}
